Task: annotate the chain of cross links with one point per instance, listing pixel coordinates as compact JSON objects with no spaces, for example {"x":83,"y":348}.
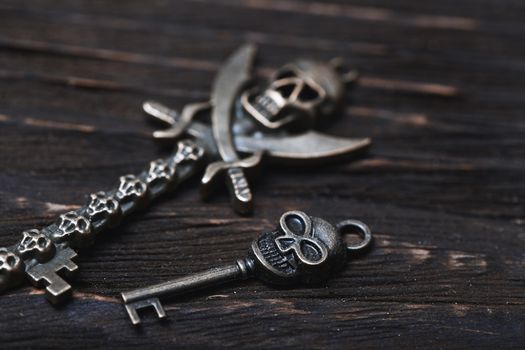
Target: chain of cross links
{"x":78,"y":228}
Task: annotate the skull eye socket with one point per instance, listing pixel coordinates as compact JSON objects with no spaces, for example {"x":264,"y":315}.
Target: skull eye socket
{"x":11,"y":261}
{"x":42,"y":242}
{"x":311,"y":251}
{"x":308,"y":94}
{"x":295,"y":224}
{"x":82,"y":225}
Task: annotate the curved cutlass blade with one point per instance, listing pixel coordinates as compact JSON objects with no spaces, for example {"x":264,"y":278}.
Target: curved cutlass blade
{"x":232,"y":77}
{"x":306,"y":148}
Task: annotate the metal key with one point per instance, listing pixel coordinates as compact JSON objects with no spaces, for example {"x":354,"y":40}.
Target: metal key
{"x":247,"y":122}
{"x":301,"y":250}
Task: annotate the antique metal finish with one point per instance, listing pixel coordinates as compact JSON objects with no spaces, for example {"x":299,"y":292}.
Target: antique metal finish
{"x":249,"y":121}
{"x":301,"y":250}
{"x":272,"y":120}
{"x":41,"y":255}
{"x":298,"y":95}
{"x":230,"y":79}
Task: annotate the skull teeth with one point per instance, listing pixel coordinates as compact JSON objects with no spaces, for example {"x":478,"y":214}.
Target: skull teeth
{"x":267,"y":106}
{"x":272,"y":255}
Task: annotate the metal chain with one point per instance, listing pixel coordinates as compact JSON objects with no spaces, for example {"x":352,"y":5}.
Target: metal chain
{"x":78,"y":228}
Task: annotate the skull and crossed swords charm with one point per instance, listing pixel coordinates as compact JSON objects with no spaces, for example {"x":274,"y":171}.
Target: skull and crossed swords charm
{"x":273,"y":119}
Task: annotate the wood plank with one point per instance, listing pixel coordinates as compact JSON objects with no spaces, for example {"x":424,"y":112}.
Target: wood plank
{"x":442,"y":189}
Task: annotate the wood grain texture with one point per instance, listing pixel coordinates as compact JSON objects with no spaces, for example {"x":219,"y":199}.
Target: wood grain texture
{"x":443,"y":187}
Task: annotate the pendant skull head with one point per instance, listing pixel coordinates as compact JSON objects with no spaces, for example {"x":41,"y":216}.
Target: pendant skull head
{"x":296,"y":96}
{"x":101,"y":205}
{"x":36,"y":244}
{"x":11,"y":268}
{"x":74,"y":228}
{"x":302,"y":248}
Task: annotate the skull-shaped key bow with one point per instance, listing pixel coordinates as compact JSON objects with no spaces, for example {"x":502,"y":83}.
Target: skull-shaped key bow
{"x":301,"y":250}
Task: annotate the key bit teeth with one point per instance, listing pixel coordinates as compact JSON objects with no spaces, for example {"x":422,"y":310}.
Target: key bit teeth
{"x":132,"y":308}
{"x":133,"y":315}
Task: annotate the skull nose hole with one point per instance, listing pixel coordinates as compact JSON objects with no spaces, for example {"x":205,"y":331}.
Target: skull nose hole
{"x":286,"y":90}
{"x":285,"y":243}
{"x":295,"y":224}
{"x":82,"y":225}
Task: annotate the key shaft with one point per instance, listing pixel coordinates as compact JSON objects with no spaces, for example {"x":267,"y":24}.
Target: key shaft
{"x":149,"y":296}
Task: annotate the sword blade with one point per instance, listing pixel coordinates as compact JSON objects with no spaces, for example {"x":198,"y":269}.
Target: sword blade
{"x":232,"y":77}
{"x":310,"y":147}
{"x":307,"y":148}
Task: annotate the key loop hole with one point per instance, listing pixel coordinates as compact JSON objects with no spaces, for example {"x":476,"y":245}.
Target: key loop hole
{"x":350,"y":226}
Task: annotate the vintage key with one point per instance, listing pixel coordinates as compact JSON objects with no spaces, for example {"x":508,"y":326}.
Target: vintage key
{"x":301,"y":250}
{"x":273,"y":119}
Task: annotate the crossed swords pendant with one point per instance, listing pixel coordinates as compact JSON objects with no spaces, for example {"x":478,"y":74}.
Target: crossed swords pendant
{"x":250,"y":121}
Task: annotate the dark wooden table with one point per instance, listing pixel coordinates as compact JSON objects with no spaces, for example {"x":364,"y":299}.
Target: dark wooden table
{"x":443,"y":188}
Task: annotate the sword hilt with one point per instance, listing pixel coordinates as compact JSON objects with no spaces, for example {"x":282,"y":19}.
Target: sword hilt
{"x":238,"y":186}
{"x":240,"y":194}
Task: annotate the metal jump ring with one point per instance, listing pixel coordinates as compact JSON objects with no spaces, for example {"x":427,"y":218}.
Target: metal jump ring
{"x":363,"y":231}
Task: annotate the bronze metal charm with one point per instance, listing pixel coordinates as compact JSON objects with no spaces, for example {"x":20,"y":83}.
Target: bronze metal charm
{"x":42,"y":254}
{"x":249,"y":121}
{"x":301,"y":250}
{"x":273,"y":119}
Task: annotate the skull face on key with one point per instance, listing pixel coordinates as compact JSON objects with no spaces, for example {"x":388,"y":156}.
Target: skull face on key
{"x":302,"y":249}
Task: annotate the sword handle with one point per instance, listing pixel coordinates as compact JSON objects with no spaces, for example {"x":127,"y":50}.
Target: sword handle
{"x":240,"y":194}
{"x":238,"y":186}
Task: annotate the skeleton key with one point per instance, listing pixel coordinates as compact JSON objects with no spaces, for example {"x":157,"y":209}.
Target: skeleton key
{"x":301,"y":250}
{"x":273,"y":118}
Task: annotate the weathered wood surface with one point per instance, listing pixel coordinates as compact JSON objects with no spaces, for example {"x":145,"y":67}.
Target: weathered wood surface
{"x":442,"y":95}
